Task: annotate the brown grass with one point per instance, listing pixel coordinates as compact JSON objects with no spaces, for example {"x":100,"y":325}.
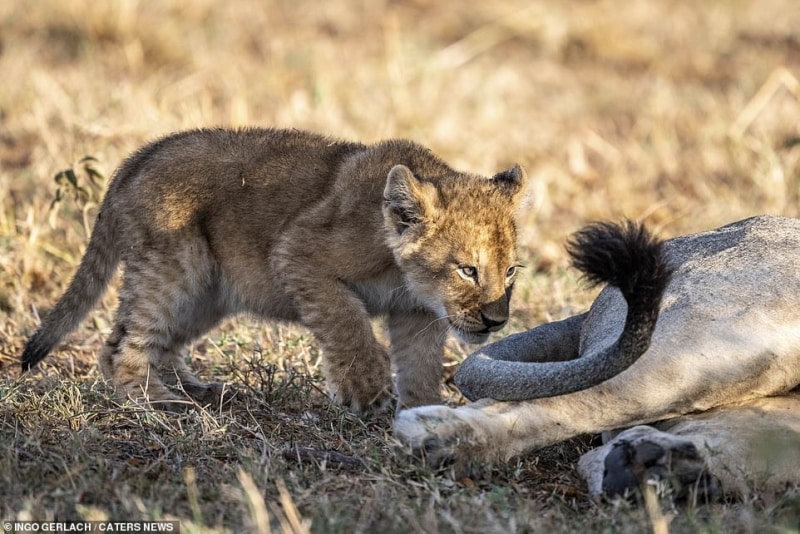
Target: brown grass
{"x":685,"y":114}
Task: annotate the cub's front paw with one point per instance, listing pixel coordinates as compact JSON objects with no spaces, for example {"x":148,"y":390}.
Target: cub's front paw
{"x":437,"y":435}
{"x":362,"y":395}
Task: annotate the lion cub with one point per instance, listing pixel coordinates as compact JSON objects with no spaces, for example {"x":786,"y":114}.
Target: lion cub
{"x":294,"y":226}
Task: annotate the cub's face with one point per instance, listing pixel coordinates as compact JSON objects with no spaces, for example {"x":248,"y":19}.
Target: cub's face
{"x":455,"y":241}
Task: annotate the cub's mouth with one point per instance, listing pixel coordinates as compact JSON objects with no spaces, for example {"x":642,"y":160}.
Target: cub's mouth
{"x":473,"y":325}
{"x":473,"y":337}
{"x":480,"y":329}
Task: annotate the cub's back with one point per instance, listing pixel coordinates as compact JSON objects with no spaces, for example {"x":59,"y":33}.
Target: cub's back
{"x":234,"y":166}
{"x":211,"y":176}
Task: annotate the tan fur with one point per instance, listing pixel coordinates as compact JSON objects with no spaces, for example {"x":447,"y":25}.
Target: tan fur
{"x":293,"y":226}
{"x":745,"y":446}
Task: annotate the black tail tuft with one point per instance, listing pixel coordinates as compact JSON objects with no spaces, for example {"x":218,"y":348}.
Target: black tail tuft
{"x":625,"y":255}
{"x":35,"y":351}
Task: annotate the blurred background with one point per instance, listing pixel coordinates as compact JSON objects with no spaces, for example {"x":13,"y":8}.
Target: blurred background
{"x":684,"y":114}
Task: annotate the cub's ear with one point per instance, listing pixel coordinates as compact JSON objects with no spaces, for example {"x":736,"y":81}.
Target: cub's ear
{"x":408,"y":200}
{"x":512,"y":182}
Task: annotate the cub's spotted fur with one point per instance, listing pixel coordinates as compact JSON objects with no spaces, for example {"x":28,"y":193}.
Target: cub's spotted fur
{"x":294,"y":226}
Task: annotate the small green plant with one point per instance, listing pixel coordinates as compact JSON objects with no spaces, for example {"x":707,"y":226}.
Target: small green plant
{"x":68,"y":181}
{"x":81,"y":181}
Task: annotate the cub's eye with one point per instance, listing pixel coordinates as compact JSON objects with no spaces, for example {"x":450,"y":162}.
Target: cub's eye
{"x":511,"y":271}
{"x":468,"y":272}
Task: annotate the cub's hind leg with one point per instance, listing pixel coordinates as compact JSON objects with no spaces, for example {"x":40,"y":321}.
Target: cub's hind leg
{"x":177,"y":375}
{"x":164,"y":304}
{"x":130,"y":364}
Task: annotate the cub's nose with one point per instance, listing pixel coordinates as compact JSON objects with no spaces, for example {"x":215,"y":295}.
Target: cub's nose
{"x":493,"y":325}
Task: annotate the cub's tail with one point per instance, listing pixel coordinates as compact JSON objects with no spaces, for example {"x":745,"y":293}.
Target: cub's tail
{"x":98,"y":265}
{"x":623,"y":255}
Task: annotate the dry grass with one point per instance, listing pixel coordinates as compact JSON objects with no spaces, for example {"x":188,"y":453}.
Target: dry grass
{"x":686,"y":114}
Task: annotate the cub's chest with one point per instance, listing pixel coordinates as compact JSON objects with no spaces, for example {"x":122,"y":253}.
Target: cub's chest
{"x":385,"y":292}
